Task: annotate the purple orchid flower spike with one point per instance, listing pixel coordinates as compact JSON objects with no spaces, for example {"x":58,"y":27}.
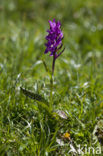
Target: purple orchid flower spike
{"x":54,"y":41}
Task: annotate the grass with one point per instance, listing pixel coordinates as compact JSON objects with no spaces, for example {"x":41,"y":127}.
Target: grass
{"x":28,"y":126}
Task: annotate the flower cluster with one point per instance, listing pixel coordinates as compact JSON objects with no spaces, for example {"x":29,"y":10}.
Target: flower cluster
{"x":54,"y":39}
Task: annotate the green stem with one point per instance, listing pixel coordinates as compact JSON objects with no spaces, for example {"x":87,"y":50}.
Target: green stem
{"x":52,"y":79}
{"x":53,"y":65}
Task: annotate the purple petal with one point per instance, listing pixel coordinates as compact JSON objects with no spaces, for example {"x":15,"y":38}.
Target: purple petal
{"x":46,"y":51}
{"x":54,"y":37}
{"x":51,"y":54}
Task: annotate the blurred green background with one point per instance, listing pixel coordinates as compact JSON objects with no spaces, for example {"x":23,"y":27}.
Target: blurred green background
{"x":23,"y":26}
{"x":78,"y":87}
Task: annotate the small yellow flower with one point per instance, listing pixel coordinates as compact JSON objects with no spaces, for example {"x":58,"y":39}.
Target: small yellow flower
{"x":66,"y":135}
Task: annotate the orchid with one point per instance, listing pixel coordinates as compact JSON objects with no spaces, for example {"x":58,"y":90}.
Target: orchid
{"x":54,"y":41}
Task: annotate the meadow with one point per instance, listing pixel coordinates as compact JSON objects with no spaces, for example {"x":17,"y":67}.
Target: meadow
{"x":38,"y":124}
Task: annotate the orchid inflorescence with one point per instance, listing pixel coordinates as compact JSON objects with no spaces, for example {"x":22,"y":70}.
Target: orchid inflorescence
{"x":54,"y":38}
